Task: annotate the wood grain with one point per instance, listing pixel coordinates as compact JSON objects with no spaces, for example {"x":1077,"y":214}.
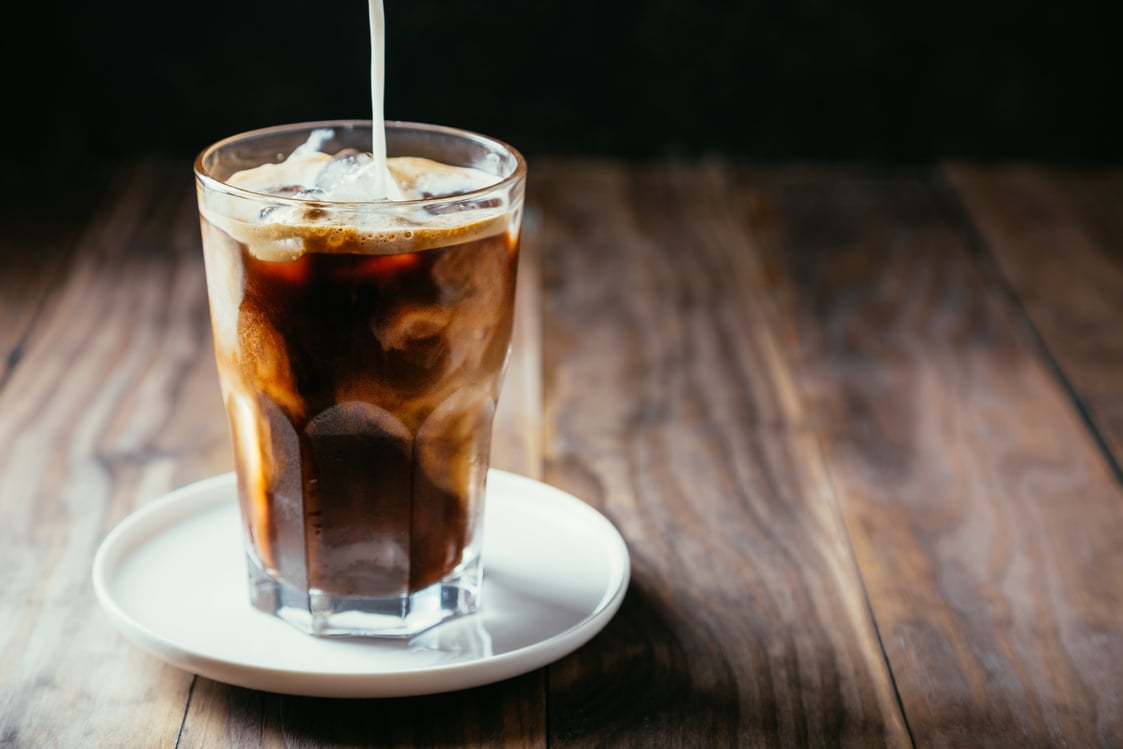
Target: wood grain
{"x":39,"y":239}
{"x":1054,"y":235}
{"x":508,"y":714}
{"x":670,"y":407}
{"x":985,"y":521}
{"x":842,"y":416}
{"x":109,"y":406}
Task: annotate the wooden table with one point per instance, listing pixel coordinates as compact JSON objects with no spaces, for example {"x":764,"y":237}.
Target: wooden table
{"x":861,"y":427}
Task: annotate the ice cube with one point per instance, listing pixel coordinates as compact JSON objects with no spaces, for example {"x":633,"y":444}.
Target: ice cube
{"x":284,"y":191}
{"x":452,"y":445}
{"x":284,"y":214}
{"x":414,"y":332}
{"x":346,"y":166}
{"x":359,"y":516}
{"x":353,"y":175}
{"x":311,"y":193}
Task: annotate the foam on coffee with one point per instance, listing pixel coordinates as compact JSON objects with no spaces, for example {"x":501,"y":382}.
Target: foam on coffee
{"x":307,"y":180}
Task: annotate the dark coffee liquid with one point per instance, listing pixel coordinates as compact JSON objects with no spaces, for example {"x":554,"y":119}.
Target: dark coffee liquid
{"x":371,"y":381}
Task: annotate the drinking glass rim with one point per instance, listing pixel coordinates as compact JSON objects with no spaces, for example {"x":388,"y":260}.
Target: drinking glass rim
{"x":214,"y":183}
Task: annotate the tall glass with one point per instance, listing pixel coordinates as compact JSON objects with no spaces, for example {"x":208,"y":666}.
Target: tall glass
{"x":361,"y":348}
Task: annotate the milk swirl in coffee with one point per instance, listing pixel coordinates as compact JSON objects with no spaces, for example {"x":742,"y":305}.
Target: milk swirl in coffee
{"x":361,"y":330}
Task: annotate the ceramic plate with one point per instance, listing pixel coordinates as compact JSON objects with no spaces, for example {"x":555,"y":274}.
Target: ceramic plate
{"x":171,"y":577}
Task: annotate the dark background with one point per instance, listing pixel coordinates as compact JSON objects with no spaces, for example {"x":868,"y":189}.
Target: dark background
{"x":759,"y":80}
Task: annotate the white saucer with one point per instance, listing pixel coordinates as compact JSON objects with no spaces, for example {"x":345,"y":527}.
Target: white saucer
{"x":171,"y":577}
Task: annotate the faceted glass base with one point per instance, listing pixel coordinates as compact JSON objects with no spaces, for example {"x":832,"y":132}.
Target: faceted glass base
{"x":328,"y":615}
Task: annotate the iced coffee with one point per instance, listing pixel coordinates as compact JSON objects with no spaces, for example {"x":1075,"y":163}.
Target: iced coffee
{"x":361,"y":345}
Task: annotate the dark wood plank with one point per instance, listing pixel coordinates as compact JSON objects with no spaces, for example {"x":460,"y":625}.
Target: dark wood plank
{"x":670,"y":406}
{"x":489,"y":716}
{"x":1056,"y":236}
{"x":769,"y":383}
{"x":985,"y":521}
{"x":110,"y":405}
{"x":39,"y":238}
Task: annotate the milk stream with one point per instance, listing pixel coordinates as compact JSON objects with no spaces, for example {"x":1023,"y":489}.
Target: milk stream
{"x":377,"y":89}
{"x":278,"y":233}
